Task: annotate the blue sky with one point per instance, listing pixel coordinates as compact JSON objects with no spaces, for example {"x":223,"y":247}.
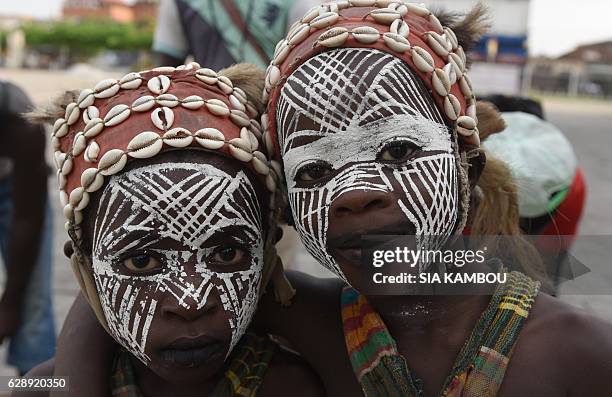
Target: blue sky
{"x":555,"y":26}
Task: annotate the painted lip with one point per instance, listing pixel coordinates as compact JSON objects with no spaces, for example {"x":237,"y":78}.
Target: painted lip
{"x":192,"y":352}
{"x":348,"y":248}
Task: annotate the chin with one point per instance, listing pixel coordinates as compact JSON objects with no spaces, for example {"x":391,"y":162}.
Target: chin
{"x":186,"y":375}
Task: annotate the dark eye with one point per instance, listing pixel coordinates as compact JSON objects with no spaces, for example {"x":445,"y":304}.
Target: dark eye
{"x":397,"y":151}
{"x":142,"y":264}
{"x":313,"y":172}
{"x":229,"y":256}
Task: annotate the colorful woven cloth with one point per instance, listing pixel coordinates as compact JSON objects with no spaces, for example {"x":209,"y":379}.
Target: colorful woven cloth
{"x":247,"y":367}
{"x":480,"y":366}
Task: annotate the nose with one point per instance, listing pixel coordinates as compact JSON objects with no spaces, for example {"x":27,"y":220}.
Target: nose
{"x":360,"y":202}
{"x":190,"y":308}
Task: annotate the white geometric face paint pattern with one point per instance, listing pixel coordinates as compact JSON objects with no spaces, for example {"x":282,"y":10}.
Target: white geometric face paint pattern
{"x":341,"y":108}
{"x":187,"y":204}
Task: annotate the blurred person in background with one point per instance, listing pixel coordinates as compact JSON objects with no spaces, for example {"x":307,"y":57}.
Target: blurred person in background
{"x":551,"y":186}
{"x":26,"y":315}
{"x":219,"y":33}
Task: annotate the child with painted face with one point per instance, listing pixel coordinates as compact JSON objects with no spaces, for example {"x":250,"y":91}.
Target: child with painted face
{"x":170,"y":201}
{"x":372,"y":113}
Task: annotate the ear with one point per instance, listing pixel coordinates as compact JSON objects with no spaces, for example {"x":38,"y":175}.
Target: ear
{"x":477,"y":159}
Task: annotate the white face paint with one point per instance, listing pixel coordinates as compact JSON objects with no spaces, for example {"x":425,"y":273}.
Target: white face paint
{"x":183,"y":205}
{"x":340,"y":109}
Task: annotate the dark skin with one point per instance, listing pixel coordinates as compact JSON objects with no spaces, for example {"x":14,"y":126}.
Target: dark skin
{"x":162,"y":376}
{"x":25,"y":147}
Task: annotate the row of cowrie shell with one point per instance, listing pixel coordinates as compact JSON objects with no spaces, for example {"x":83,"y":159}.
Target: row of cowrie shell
{"x":148,"y":144}
{"x":442,"y":41}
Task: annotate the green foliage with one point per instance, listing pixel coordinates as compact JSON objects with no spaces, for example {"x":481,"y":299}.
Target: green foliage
{"x":89,"y":36}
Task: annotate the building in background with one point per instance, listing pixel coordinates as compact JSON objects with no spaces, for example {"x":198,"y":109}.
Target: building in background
{"x":117,"y":10}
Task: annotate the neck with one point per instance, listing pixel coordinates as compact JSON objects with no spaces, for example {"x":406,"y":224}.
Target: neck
{"x":150,"y":384}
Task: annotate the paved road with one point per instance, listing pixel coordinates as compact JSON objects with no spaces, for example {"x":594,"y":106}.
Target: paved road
{"x":588,"y":125}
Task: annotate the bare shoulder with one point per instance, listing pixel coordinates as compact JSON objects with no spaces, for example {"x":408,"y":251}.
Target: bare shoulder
{"x":289,"y":374}
{"x":43,"y":369}
{"x":577,"y":342}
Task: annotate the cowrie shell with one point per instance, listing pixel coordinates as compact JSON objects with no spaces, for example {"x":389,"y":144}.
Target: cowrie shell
{"x":130,"y":81}
{"x":299,"y":34}
{"x":240,"y":95}
{"x":459,"y":51}
{"x":225,"y":84}
{"x":60,"y":128}
{"x":80,"y":206}
{"x":240,"y":149}
{"x":400,"y":27}
{"x":75,"y":196}
{"x":273,"y":76}
{"x":239,"y":118}
{"x":159,"y":84}
{"x":78,"y":218}
{"x":330,"y":7}
{"x":365,"y":34}
{"x":193,"y":102}
{"x":402,"y":9}
{"x":59,"y":158}
{"x":440,"y":82}
{"x":207,"y":76}
{"x":63,"y":198}
{"x":91,"y":180}
{"x":466,"y":85}
{"x":267,"y":138}
{"x":217,"y":107}
{"x":72,"y":113}
{"x":466,"y":122}
{"x":61,"y":182}
{"x":116,"y":115}
{"x":334,"y":37}
{"x":260,"y":163}
{"x":248,"y":136}
{"x":143,"y":104}
{"x":90,"y":113}
{"x":168,"y":116}
{"x":236,"y":104}
{"x":144,"y":145}
{"x":92,"y":152}
{"x":68,"y":212}
{"x":436,"y":23}
{"x":93,"y":127}
{"x":418,"y":10}
{"x":324,"y":20}
{"x":168,"y":100}
{"x":438,"y":44}
{"x":383,"y":3}
{"x":270,"y":182}
{"x":67,"y":165}
{"x":264,"y":121}
{"x":450,"y":72}
{"x":256,"y":128}
{"x":311,"y":14}
{"x":282,"y":53}
{"x":384,"y":15}
{"x":343,"y":4}
{"x":457,"y":63}
{"x":466,"y":130}
{"x":250,"y":110}
{"x":106,"y":88}
{"x":177,"y":137}
{"x":265,"y":95}
{"x":452,"y":37}
{"x":396,"y":42}
{"x":86,"y":98}
{"x":363,"y":3}
{"x":422,"y":59}
{"x":452,"y":107}
{"x":164,"y":69}
{"x":277,"y":168}
{"x":112,"y":162}
{"x":210,"y":138}
{"x":471,"y":111}
{"x":78,"y":144}
{"x":55,"y":142}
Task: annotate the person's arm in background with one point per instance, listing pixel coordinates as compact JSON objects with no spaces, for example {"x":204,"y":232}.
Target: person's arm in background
{"x":85,"y":353}
{"x":24,"y":144}
{"x":169,"y":44}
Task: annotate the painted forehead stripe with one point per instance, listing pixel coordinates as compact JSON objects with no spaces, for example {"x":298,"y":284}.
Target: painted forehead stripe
{"x":409,"y":32}
{"x":145,"y":113}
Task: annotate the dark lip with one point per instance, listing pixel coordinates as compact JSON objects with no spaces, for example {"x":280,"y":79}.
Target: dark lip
{"x":348,"y":247}
{"x":192,"y":352}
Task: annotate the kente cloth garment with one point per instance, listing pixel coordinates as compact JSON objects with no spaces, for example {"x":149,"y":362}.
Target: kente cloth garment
{"x":247,"y":367}
{"x":480,"y":366}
